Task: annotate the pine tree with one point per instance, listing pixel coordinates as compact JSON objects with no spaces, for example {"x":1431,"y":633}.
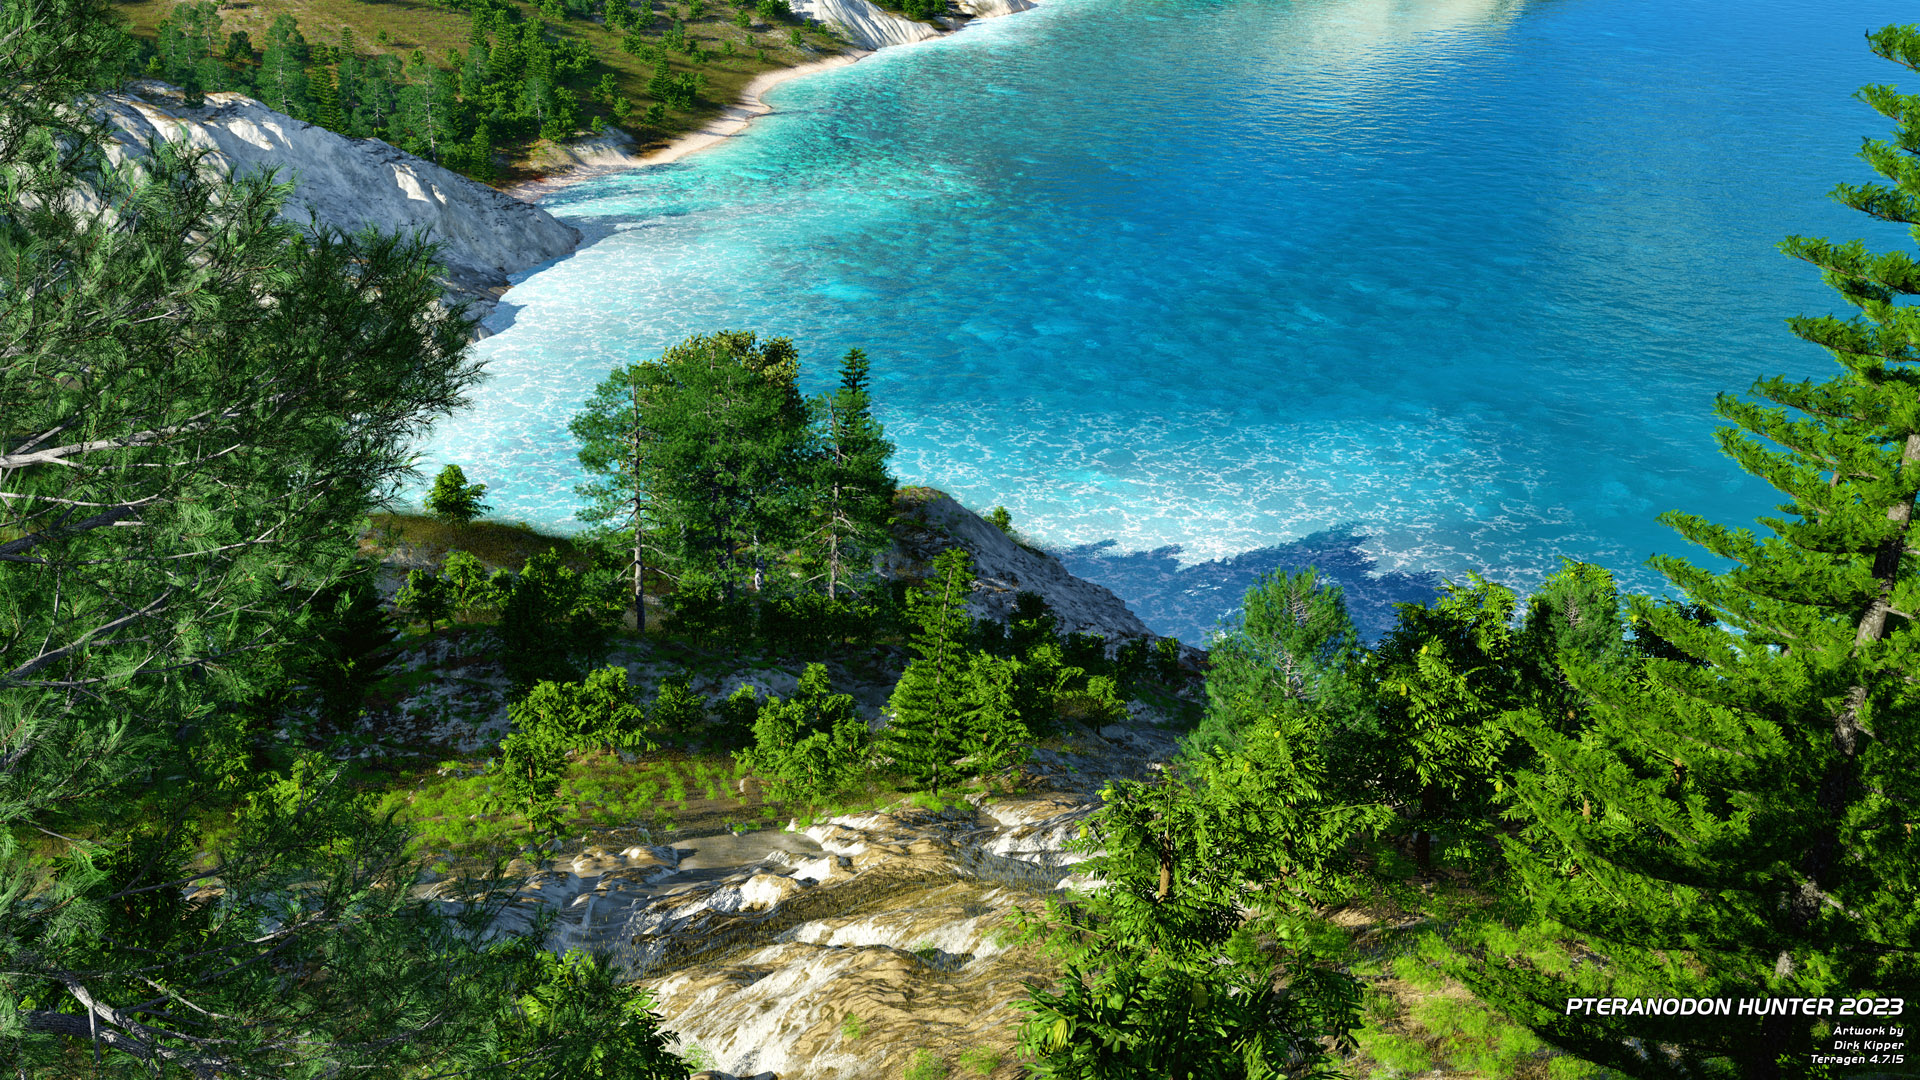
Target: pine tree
{"x":616,"y":444}
{"x":453,"y":499}
{"x":202,"y":403}
{"x":282,"y":76}
{"x":726,"y":472}
{"x":1442,"y":682}
{"x":930,"y":703}
{"x":852,"y":490}
{"x":1733,"y":818}
{"x":1292,"y":642}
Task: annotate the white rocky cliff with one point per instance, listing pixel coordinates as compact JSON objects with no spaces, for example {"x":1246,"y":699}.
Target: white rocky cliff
{"x":484,"y":235}
{"x":870,"y":27}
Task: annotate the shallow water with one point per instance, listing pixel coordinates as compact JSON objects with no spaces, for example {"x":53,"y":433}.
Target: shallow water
{"x":1199,"y":288}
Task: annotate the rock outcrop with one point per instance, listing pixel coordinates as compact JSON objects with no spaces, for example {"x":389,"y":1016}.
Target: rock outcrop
{"x":835,"y":950}
{"x":929,"y":522}
{"x":992,"y":9}
{"x":484,"y":235}
{"x":867,"y":26}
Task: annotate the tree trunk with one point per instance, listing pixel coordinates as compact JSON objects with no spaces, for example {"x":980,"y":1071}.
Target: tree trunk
{"x":1839,"y":785}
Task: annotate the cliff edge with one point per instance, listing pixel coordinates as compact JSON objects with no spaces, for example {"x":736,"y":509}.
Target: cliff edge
{"x":350,"y":184}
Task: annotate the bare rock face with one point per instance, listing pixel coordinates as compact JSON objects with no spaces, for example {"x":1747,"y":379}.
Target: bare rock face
{"x":990,"y":9}
{"x":865,"y":25}
{"x":484,"y":235}
{"x":931,"y":522}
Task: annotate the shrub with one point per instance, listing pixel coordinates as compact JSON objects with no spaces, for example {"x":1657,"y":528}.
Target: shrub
{"x":676,"y":710}
{"x":453,"y":499}
{"x":774,"y":10}
{"x":475,"y":588}
{"x":426,"y":597}
{"x":598,"y":711}
{"x":551,"y":622}
{"x":925,"y":1066}
{"x":810,"y":746}
{"x":981,"y":1060}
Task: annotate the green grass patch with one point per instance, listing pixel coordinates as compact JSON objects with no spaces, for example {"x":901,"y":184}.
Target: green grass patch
{"x":981,"y":1060}
{"x":498,"y":544}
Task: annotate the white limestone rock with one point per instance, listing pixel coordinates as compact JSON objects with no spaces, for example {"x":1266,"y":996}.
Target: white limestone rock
{"x":867,"y":26}
{"x":992,"y":9}
{"x":485,"y":235}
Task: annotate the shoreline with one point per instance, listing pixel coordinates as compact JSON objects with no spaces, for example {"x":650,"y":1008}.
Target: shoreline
{"x":732,"y":119}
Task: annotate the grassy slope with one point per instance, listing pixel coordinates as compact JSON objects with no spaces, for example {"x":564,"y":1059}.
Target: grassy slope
{"x":414,"y":24}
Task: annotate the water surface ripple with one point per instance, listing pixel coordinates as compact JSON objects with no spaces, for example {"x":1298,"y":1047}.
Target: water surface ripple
{"x":1199,"y":287}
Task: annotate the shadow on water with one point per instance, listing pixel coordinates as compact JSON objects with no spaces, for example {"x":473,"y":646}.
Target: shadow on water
{"x":1191,"y":602}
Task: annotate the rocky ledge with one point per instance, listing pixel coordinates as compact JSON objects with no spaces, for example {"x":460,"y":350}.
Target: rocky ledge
{"x":350,"y":184}
{"x":836,"y":949}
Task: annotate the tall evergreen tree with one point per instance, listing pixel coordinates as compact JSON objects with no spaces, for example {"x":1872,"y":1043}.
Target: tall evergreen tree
{"x":726,"y":470}
{"x":283,"y":63}
{"x":1735,"y":817}
{"x":616,"y":444}
{"x":930,"y":703}
{"x":199,"y":404}
{"x":852,"y":490}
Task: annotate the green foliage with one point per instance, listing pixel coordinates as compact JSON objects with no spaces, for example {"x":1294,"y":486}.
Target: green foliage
{"x":1161,"y":1020}
{"x":852,"y":1028}
{"x":350,"y":643}
{"x":1728,"y":814}
{"x":852,"y":493}
{"x":227,"y":395}
{"x":924,"y":1065}
{"x":617,"y":437}
{"x":734,"y":717}
{"x":575,"y":1020}
{"x":811,"y":746}
{"x":1293,"y":647}
{"x":555,"y":720}
{"x":426,"y":596}
{"x":981,"y":1060}
{"x":929,"y":703}
{"x":596,"y":712}
{"x":1442,"y":682}
{"x":676,"y":710}
{"x":453,"y":499}
{"x":553,"y":623}
{"x":774,"y":11}
{"x":473,"y":586}
{"x":1000,"y":518}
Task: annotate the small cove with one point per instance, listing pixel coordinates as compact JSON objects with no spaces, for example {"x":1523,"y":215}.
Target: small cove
{"x":1199,"y":288}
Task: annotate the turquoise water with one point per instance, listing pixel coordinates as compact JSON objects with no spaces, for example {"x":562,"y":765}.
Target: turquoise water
{"x":1199,"y":288}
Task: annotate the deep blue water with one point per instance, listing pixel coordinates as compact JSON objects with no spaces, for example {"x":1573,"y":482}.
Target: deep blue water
{"x":1200,"y":287}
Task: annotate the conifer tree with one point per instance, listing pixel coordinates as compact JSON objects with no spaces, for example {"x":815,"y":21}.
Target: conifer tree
{"x":617,"y":440}
{"x":1735,"y":817}
{"x":201,"y":403}
{"x":852,"y":490}
{"x":453,"y":499}
{"x":1441,"y":683}
{"x":930,"y":702}
{"x":725,"y":471}
{"x":1293,"y":642}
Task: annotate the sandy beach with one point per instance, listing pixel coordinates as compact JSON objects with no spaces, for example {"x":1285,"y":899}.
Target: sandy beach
{"x":729,"y":123}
